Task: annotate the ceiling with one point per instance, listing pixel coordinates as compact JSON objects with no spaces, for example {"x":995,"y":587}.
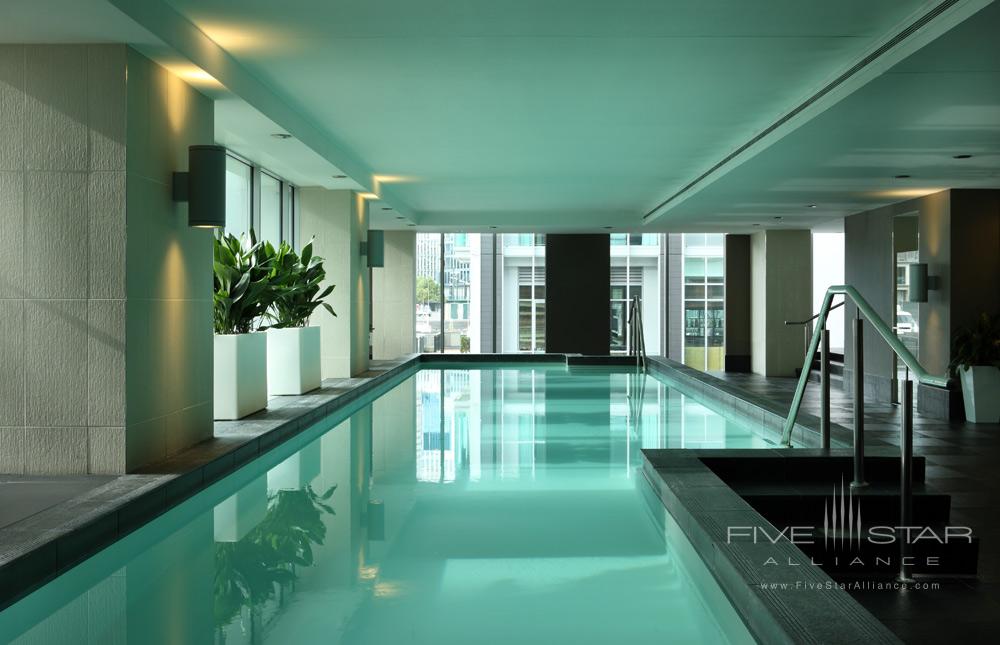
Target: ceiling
{"x":574,"y":115}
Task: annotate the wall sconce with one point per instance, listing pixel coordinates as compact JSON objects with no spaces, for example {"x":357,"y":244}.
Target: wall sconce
{"x":203,"y":186}
{"x":374,"y":248}
{"x":921,"y":282}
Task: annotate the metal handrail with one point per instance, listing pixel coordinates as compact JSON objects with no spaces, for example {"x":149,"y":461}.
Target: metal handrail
{"x":883,"y":330}
{"x":815,"y":316}
{"x":637,"y":339}
{"x":906,"y":418}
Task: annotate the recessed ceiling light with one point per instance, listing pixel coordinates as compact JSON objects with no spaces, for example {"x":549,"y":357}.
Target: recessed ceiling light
{"x":400,"y":217}
{"x":281,"y":135}
{"x":339,"y":176}
{"x":777,"y":217}
{"x":493,"y":227}
{"x":608,"y":228}
{"x":387,"y":208}
{"x":902,"y":176}
{"x":962,"y":157}
{"x":810,"y":205}
{"x":411,"y":224}
{"x":756,"y":224}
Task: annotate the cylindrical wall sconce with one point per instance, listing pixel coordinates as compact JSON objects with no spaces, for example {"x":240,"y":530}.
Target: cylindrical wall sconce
{"x":376,"y":248}
{"x":918,"y":282}
{"x":203,"y":186}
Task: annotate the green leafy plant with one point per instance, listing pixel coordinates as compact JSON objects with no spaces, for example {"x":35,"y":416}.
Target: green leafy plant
{"x":244,"y":291}
{"x":977,"y":344}
{"x":297,"y":282}
{"x":428,"y":290}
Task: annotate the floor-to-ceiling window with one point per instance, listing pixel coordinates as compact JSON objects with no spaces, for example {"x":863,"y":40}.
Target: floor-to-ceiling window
{"x":636,"y":271}
{"x":256,"y":198}
{"x":429,"y":294}
{"x":704,"y":301}
{"x":239,"y":196}
{"x":522,"y":303}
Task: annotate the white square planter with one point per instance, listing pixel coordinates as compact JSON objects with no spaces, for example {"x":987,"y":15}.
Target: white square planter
{"x":293,"y":360}
{"x":240,"y":375}
{"x":981,"y":393}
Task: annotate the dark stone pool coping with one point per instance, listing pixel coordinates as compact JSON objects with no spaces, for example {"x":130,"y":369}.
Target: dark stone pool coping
{"x":704,"y":506}
{"x":46,"y":544}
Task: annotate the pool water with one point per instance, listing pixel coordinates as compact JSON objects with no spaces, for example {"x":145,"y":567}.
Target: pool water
{"x":495,"y":505}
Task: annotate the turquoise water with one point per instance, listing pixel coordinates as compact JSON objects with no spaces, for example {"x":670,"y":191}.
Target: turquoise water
{"x":494,"y":505}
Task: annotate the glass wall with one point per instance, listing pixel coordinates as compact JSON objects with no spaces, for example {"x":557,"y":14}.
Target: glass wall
{"x":239,"y":196}
{"x":522,"y":295}
{"x":270,"y":208}
{"x":429,"y":302}
{"x":636,"y":271}
{"x":704,"y":301}
{"x":258,"y":199}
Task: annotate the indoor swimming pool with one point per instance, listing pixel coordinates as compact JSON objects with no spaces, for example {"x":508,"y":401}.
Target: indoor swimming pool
{"x":492,"y":504}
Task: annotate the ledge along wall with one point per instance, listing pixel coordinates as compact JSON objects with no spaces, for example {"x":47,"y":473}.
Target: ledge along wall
{"x":105,"y":320}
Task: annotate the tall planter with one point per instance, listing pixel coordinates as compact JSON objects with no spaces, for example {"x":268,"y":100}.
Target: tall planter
{"x":981,"y":393}
{"x":293,"y":360}
{"x":240,"y":375}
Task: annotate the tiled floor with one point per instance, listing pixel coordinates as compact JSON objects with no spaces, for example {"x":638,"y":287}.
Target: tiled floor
{"x":963,"y":460}
{"x":22,"y":496}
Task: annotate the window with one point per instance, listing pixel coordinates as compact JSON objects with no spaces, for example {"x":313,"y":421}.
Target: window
{"x":276,"y":203}
{"x":522,"y":293}
{"x":704,"y":301}
{"x":239,"y":196}
{"x":270,"y":208}
{"x":635,"y":272}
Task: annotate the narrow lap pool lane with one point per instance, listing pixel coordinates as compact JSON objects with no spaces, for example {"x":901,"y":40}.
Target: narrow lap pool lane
{"x":490,"y":505}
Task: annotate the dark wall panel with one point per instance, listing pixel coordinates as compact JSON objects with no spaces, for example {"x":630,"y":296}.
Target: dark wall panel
{"x":577,"y":294}
{"x":737,"y":303}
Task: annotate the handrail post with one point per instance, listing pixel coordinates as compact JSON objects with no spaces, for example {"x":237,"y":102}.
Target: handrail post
{"x":824,"y":404}
{"x":906,"y":479}
{"x":859,"y":403}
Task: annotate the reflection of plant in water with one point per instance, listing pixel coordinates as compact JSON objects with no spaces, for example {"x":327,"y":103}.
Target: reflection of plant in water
{"x":250,"y":572}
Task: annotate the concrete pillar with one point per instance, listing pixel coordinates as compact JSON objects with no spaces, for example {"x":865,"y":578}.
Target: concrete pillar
{"x":106,"y":328}
{"x":577,"y":294}
{"x":337,"y":222}
{"x":781,"y":289}
{"x":394,"y":297}
{"x":738,"y":290}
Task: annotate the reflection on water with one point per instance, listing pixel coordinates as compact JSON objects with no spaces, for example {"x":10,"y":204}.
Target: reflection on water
{"x":462,"y":506}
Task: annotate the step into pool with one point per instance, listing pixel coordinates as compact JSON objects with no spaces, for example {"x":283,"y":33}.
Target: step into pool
{"x":488,"y":504}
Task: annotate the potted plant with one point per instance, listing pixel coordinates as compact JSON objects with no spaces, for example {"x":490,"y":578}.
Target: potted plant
{"x":976,"y":358}
{"x":293,"y":347}
{"x":243,"y":295}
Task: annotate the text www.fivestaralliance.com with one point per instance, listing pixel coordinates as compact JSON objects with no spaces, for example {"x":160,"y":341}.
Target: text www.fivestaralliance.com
{"x":857,"y":585}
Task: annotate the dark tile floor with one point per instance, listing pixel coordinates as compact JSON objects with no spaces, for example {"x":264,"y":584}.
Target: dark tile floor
{"x":22,"y":496}
{"x":963,"y":460}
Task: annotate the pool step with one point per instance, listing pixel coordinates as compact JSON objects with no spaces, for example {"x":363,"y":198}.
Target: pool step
{"x":936,"y":550}
{"x":810,"y":468}
{"x":807,"y":505}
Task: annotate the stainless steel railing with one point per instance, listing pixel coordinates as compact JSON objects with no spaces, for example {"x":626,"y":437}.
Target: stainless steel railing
{"x":637,"y":341}
{"x":821,"y":334}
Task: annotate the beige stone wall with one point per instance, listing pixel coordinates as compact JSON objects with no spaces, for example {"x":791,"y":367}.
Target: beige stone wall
{"x":87,"y":231}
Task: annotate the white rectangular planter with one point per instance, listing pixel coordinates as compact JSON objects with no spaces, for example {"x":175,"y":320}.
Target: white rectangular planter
{"x":240,"y":375}
{"x":981,"y":393}
{"x":293,"y":361}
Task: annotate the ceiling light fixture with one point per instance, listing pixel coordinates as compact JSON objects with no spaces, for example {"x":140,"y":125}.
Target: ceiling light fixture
{"x":387,"y":208}
{"x":962,"y":157}
{"x":339,"y":176}
{"x":810,"y":205}
{"x":608,"y":228}
{"x":400,"y":217}
{"x":281,"y":135}
{"x":903,"y":176}
{"x":411,"y":224}
{"x":777,"y":217}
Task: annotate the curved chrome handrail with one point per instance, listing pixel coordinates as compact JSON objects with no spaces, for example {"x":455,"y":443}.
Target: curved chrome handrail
{"x":883,"y":330}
